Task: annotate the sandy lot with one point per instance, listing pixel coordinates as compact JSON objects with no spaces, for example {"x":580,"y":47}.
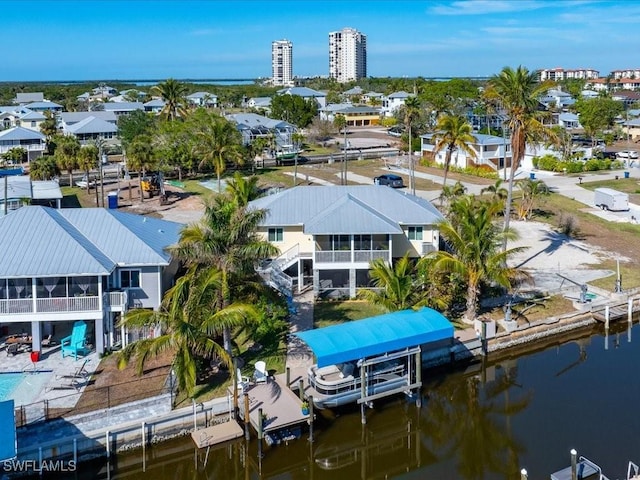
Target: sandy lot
{"x":549,"y":254}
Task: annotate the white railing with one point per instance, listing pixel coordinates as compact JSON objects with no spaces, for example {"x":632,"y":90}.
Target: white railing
{"x":345,"y":256}
{"x":115,"y":299}
{"x":68,"y":304}
{"x":18,"y":305}
{"x":286,"y":257}
{"x":427,"y":248}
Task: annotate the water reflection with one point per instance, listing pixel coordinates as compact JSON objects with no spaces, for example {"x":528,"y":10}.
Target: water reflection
{"x":519,"y":409}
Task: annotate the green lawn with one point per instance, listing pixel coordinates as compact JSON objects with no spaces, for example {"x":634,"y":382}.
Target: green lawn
{"x":326,"y":313}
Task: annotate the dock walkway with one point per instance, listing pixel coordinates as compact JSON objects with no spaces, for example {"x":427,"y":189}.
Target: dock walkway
{"x":216,"y":434}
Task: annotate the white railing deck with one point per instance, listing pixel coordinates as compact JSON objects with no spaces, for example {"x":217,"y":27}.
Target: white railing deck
{"x":89,"y":303}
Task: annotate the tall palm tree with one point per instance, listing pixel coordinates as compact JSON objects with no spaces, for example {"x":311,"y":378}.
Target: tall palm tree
{"x":66,"y":154}
{"x":411,"y":112}
{"x":226,"y":238}
{"x":475,"y":249}
{"x":173,"y":93}
{"x":297,"y":138}
{"x":243,"y":190}
{"x":453,"y":132}
{"x":217,"y":141}
{"x":340,"y":122}
{"x":496,"y":191}
{"x":518,"y":92}
{"x":141,"y":158}
{"x":190,"y":320}
{"x":88,"y":160}
{"x":43,"y":168}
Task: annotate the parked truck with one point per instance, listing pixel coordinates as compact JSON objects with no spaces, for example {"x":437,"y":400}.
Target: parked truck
{"x":610,"y":199}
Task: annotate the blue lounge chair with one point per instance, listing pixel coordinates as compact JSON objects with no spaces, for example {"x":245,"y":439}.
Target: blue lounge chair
{"x":74,"y":343}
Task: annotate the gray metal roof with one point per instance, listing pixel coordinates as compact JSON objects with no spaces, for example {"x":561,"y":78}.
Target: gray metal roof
{"x":43,"y":105}
{"x":74,"y":117}
{"x":255,"y":120}
{"x":23,"y":187}
{"x":40,"y":241}
{"x":302,"y":92}
{"x":123,"y":106}
{"x":346,"y":209}
{"x":91,"y":125}
{"x":195,"y":95}
{"x":29,"y":97}
{"x":20,"y":133}
{"x":156,"y":102}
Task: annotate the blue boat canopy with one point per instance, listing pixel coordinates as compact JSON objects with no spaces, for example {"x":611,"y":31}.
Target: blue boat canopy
{"x":376,"y":335}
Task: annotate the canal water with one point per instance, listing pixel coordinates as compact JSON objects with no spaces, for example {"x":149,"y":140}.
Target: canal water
{"x":486,"y":420}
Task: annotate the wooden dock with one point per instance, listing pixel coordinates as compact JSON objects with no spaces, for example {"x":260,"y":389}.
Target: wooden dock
{"x":223,"y":432}
{"x":617,"y":311}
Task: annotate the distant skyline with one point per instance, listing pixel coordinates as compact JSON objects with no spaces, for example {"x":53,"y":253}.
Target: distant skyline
{"x":122,"y":40}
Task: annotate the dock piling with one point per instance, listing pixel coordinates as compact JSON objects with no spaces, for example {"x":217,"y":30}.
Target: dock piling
{"x":247,"y":433}
{"x":574,"y":464}
{"x":301,"y":390}
{"x":260,"y":432}
{"x":107,"y":443}
{"x":607,"y":316}
{"x":523,"y":474}
{"x":288,"y":376}
{"x":630,"y":311}
{"x":311,"y":418}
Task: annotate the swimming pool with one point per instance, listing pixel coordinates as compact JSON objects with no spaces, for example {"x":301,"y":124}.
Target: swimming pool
{"x":23,"y":388}
{"x":8,"y":383}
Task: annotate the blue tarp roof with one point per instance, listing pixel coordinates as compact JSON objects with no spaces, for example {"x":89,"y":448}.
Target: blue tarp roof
{"x":376,"y":335}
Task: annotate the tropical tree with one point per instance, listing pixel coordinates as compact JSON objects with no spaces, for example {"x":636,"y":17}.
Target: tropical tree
{"x":15,"y":155}
{"x":242,"y":190}
{"x":518,"y":92}
{"x":173,"y":144}
{"x":226,"y":239}
{"x":298,"y":139}
{"x":475,"y":253}
{"x":173,"y":94}
{"x":88,"y":160}
{"x":453,"y":132}
{"x":44,"y":168}
{"x":496,"y":191}
{"x":135,"y":124}
{"x":598,"y":114}
{"x":66,"y":154}
{"x":141,"y":158}
{"x":397,"y":286}
{"x":49,"y":128}
{"x":294,"y":109}
{"x":451,"y":192}
{"x":340,"y":123}
{"x":216,"y":141}
{"x":190,"y":320}
{"x":532,"y":190}
{"x":411,"y":111}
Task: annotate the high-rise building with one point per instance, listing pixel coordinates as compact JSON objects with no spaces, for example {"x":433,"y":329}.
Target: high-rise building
{"x":347,"y":55}
{"x":282,"y":63}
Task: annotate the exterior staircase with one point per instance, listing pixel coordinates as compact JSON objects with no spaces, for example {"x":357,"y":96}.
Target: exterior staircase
{"x":273,"y":272}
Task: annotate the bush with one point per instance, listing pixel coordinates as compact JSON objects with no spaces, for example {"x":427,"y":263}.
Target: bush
{"x":568,"y":225}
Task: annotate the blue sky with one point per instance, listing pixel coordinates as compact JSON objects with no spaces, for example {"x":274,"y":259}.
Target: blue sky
{"x":100,"y":40}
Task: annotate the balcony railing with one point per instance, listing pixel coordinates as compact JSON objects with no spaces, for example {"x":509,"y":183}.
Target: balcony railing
{"x":50,"y":305}
{"x":345,"y":256}
{"x":115,"y":299}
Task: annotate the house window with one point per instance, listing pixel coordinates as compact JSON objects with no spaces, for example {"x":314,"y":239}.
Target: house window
{"x":275,"y":235}
{"x":415,"y":233}
{"x":130,"y":278}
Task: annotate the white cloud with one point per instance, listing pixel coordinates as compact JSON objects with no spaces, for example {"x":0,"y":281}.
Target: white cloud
{"x":482,"y":7}
{"x":203,"y":32}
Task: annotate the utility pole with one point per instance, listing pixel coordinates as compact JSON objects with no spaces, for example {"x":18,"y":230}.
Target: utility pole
{"x":344,"y":166}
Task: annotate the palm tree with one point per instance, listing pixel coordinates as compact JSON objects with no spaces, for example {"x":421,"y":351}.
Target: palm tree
{"x":453,"y":132}
{"x":88,"y":160}
{"x":340,"y":122}
{"x":190,"y":321}
{"x":532,"y":190}
{"x":297,"y":138}
{"x":44,"y":168}
{"x":518,"y":91}
{"x":243,"y":190}
{"x":173,"y":93}
{"x":226,"y":238}
{"x":411,"y":111}
{"x":475,"y":249}
{"x":66,"y":154}
{"x":397,"y":286}
{"x":496,"y":191}
{"x":217,"y":141}
{"x":141,"y":157}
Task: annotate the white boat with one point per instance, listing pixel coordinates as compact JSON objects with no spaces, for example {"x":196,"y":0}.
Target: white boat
{"x":83,"y":183}
{"x":341,"y":384}
{"x":287,"y":152}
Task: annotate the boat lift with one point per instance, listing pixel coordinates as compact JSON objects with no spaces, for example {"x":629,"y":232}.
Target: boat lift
{"x":584,"y":289}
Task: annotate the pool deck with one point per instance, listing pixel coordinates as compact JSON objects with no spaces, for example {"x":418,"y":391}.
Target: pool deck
{"x":59,"y":384}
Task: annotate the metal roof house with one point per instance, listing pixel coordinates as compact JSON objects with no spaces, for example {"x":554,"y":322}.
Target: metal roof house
{"x":91,"y":128}
{"x":21,"y":190}
{"x":82,"y":264}
{"x":19,"y":137}
{"x":328,"y":236}
{"x":490,"y":150}
{"x":203,"y":99}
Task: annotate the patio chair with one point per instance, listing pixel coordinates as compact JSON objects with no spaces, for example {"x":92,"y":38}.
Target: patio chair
{"x":260,"y":374}
{"x":48,"y":341}
{"x":243,"y":381}
{"x":81,"y":372}
{"x":13,"y":349}
{"x":74,"y":344}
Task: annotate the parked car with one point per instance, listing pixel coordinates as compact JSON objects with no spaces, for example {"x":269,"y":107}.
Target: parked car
{"x":395,"y":131}
{"x":632,"y":154}
{"x":389,"y":180}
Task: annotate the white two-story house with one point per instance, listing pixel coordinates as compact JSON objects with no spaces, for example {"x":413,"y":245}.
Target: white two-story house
{"x":90,"y":264}
{"x":328,"y":236}
{"x":489,"y":150}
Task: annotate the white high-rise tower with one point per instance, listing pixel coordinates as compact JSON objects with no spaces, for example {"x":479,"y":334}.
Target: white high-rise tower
{"x":282,"y":63}
{"x":347,"y":55}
